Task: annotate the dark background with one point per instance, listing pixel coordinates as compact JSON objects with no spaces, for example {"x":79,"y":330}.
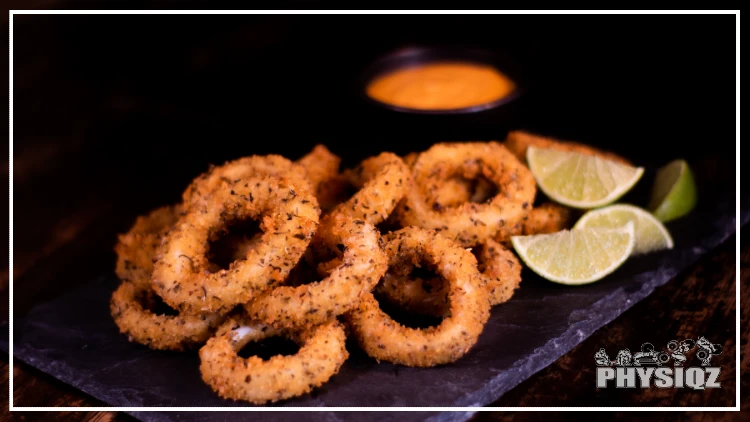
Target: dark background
{"x":222,"y":86}
{"x":119,"y":113}
{"x":122,"y":112}
{"x":114,"y":115}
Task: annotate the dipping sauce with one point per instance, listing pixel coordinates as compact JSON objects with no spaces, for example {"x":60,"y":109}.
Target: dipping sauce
{"x":441,"y":86}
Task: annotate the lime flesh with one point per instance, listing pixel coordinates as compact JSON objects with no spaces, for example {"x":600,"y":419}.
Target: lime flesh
{"x":650,"y":233}
{"x":577,"y":256}
{"x":578,"y":180}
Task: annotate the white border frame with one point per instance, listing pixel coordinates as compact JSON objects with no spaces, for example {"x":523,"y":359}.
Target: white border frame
{"x":381,"y":12}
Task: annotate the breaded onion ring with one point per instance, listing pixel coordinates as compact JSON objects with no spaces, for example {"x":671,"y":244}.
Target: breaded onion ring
{"x":453,"y":192}
{"x":457,"y":190}
{"x":426,"y":296}
{"x":482,"y":190}
{"x":357,"y":271}
{"x":254,"y":166}
{"x":321,"y":354}
{"x":470,"y":223}
{"x":385,"y":339}
{"x":499,"y":266}
{"x":322,"y":167}
{"x":332,"y":193}
{"x":518,"y":142}
{"x":382,"y":182}
{"x":548,"y":218}
{"x":129,"y":308}
{"x":288,"y":219}
{"x":136,"y":249}
{"x":410,"y":158}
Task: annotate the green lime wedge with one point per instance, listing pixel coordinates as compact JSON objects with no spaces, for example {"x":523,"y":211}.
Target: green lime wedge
{"x":674,"y":193}
{"x":576,"y":257}
{"x":650,"y":233}
{"x":578,"y":180}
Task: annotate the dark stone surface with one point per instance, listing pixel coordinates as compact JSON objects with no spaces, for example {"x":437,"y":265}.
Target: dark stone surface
{"x":74,"y":339}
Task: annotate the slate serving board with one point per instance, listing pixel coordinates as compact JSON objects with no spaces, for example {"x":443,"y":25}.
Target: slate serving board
{"x":74,"y":339}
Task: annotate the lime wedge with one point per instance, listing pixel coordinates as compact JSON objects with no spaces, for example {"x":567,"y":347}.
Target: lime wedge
{"x":674,"y":193}
{"x":576,"y":256}
{"x":580,"y":181}
{"x":650,"y":234}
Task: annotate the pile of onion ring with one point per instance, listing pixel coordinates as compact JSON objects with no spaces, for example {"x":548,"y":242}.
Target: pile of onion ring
{"x":264,"y":247}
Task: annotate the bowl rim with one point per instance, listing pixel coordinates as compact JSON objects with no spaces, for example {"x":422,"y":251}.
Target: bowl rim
{"x":412,"y":55}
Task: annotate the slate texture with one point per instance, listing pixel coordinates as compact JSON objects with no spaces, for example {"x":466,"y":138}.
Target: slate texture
{"x":74,"y":339}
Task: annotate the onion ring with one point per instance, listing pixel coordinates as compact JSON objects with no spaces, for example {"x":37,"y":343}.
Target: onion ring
{"x":204,"y":185}
{"x":322,"y":353}
{"x":453,"y":192}
{"x":181,"y":275}
{"x":429,"y":296}
{"x":502,"y":270}
{"x":483,"y":190}
{"x":322,"y":168}
{"x":518,"y":142}
{"x":333,"y":192}
{"x":470,"y":223}
{"x":382,"y":182}
{"x":410,"y":158}
{"x":385,"y":339}
{"x":425,"y":296}
{"x":457,"y":190}
{"x":129,"y":309}
{"x":548,"y":218}
{"x":357,"y":271}
{"x":136,"y":249}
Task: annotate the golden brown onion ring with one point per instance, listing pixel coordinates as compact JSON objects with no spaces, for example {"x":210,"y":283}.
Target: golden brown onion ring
{"x":202,"y":188}
{"x":425,"y":296}
{"x":288,"y":220}
{"x":136,"y":249}
{"x":410,"y":158}
{"x":385,"y":339}
{"x":458,"y":190}
{"x":322,"y":167}
{"x":470,"y":223}
{"x":499,"y":266}
{"x":332,"y":193}
{"x":357,"y":271}
{"x":548,"y":218}
{"x":382,"y":182}
{"x":130,"y":310}
{"x":322,"y":353}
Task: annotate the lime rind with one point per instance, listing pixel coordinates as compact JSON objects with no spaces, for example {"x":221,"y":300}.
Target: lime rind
{"x":645,"y":242}
{"x":606,"y":170}
{"x":522,"y":244}
{"x":674,"y":193}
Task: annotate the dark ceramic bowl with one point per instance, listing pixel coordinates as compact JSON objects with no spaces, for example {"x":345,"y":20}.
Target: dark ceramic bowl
{"x":487,"y":120}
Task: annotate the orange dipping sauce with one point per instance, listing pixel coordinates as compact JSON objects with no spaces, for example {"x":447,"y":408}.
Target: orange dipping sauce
{"x":441,"y":86}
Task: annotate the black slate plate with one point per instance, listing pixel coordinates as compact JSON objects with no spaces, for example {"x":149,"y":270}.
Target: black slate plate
{"x":74,"y":339}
